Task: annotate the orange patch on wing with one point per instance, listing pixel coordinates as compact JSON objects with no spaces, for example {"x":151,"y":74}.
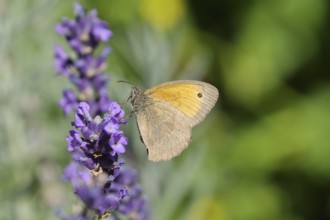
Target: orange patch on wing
{"x":182,"y":96}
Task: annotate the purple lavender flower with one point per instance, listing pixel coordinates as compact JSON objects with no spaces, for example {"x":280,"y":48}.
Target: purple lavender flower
{"x":96,"y":191}
{"x":136,"y":205}
{"x":96,"y":142}
{"x":90,"y":143}
{"x":62,"y":62}
{"x":118,"y":142}
{"x":86,"y":32}
{"x":86,"y":70}
{"x":95,"y":139}
{"x":75,"y":141}
{"x":69,"y":101}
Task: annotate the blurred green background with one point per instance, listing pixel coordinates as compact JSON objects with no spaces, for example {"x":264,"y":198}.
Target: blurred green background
{"x":263,"y":152}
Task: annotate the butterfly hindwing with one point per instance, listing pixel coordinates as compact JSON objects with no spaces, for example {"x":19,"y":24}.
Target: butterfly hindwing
{"x":164,"y":131}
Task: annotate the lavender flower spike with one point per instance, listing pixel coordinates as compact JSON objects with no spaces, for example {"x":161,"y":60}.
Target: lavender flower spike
{"x":96,"y":141}
{"x":86,"y":69}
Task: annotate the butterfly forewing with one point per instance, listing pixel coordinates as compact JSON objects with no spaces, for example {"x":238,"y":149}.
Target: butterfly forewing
{"x":194,"y":98}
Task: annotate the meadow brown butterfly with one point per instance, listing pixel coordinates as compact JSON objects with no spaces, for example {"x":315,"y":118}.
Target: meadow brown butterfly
{"x":166,"y":114}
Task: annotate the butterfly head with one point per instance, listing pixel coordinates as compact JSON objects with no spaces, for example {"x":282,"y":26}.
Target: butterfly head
{"x":135,"y":93}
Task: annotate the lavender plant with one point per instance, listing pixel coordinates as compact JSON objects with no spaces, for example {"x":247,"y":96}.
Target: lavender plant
{"x":96,"y":143}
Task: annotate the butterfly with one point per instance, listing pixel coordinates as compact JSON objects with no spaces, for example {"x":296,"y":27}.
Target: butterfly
{"x":166,"y":114}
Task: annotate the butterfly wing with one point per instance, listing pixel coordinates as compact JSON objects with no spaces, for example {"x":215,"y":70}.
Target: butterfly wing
{"x":164,"y":130}
{"x":194,"y":98}
{"x":170,"y":111}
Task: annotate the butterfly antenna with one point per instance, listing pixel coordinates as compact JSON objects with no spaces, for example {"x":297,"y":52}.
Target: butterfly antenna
{"x":129,"y":97}
{"x":132,"y":112}
{"x":123,"y":81}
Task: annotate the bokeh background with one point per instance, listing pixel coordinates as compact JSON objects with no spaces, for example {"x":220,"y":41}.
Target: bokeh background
{"x":263,"y":152}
